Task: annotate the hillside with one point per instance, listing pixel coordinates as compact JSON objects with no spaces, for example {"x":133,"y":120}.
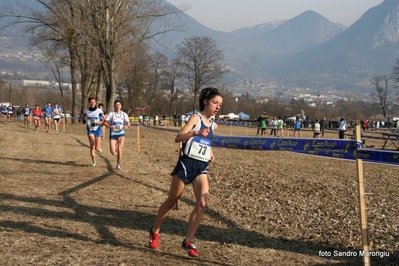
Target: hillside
{"x":306,"y":51}
{"x":369,"y":47}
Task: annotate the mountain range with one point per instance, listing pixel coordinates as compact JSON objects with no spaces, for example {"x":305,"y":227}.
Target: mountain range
{"x":305,"y":51}
{"x":309,"y":50}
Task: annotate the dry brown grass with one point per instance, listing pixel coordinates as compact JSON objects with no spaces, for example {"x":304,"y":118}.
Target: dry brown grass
{"x":265,"y":208}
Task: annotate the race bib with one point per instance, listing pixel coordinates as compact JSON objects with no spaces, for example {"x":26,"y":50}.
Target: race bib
{"x":200,"y":149}
{"x":93,"y":124}
{"x":118,"y":127}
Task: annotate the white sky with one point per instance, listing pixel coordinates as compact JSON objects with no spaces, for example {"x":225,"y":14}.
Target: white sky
{"x":228,"y":15}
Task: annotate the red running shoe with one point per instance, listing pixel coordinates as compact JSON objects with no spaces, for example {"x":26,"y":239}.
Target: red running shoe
{"x":190,"y":248}
{"x":154,"y":237}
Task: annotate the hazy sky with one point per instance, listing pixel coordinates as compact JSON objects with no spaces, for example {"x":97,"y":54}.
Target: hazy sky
{"x":228,"y":15}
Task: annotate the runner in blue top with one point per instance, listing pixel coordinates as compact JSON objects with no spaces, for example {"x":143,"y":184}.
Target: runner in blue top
{"x":47,"y":111}
{"x":26,"y":112}
{"x":93,"y":115}
{"x":192,"y":167}
{"x":117,"y":121}
{"x":4,"y":111}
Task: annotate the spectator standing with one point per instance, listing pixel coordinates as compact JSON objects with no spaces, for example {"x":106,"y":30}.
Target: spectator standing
{"x":19,"y":114}
{"x":183,"y":119}
{"x":363,"y":124}
{"x":297,"y":128}
{"x":323,"y":125}
{"x":263,"y":125}
{"x":258,"y":121}
{"x":342,"y":128}
{"x":175,"y":119}
{"x":273,"y":125}
{"x":316,"y":129}
{"x":155,"y":120}
{"x":280,"y":127}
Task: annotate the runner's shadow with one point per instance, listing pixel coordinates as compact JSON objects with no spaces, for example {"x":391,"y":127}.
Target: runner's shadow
{"x":100,"y":218}
{"x":32,"y":161}
{"x":104,"y":218}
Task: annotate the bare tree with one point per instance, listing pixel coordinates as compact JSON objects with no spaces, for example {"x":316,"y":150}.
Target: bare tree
{"x":113,"y":28}
{"x":120,"y":25}
{"x":157,"y":62}
{"x":172,"y":73}
{"x":200,"y":62}
{"x":382,"y":85}
{"x":58,"y":22}
{"x":395,"y":72}
{"x":134,"y":76}
{"x":55,"y":62}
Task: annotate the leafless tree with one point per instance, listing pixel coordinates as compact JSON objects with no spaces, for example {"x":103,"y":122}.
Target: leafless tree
{"x":120,"y":25}
{"x":134,"y":76}
{"x":57,"y":22}
{"x":157,"y":62}
{"x":382,"y":85}
{"x":113,"y":28}
{"x":172,"y":73}
{"x":200,"y":62}
{"x":56,"y":62}
{"x":395,"y":73}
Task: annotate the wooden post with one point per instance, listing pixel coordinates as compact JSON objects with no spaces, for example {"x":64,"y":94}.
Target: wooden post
{"x":362,"y":204}
{"x":63,"y":125}
{"x":138,"y":138}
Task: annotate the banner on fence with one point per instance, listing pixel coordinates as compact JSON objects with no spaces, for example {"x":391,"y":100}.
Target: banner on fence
{"x":287,"y":144}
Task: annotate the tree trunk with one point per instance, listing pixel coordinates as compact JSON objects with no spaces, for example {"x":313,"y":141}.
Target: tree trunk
{"x":75,"y":95}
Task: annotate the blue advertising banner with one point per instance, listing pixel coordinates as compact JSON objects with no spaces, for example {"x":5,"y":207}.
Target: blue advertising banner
{"x":378,"y":156}
{"x":367,"y":155}
{"x":337,"y":154}
{"x":284,"y":144}
{"x":332,"y":148}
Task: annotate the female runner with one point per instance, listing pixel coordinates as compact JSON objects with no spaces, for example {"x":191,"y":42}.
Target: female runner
{"x":192,"y":167}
